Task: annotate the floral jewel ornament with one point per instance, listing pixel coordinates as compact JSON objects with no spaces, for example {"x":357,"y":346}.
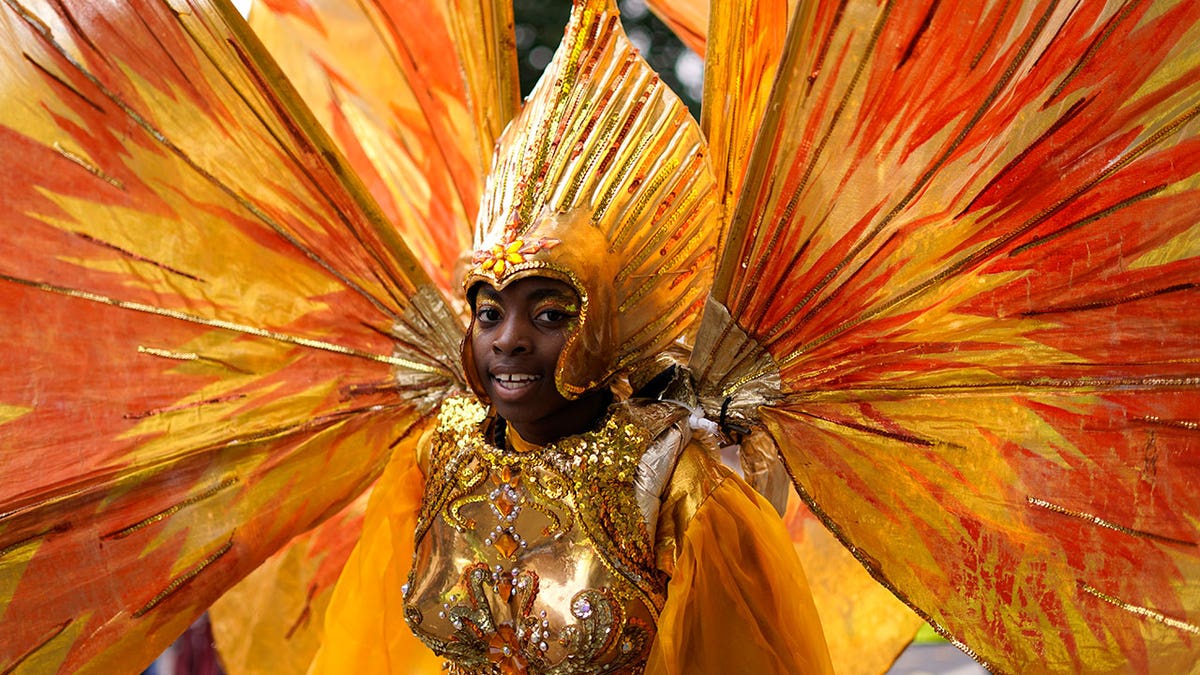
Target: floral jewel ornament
{"x":603,"y":182}
{"x":511,"y":251}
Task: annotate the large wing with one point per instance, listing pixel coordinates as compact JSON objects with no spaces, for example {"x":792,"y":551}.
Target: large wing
{"x":213,"y":338}
{"x":747,"y":39}
{"x":415,"y":94}
{"x":962,"y":274}
{"x":271,"y":622}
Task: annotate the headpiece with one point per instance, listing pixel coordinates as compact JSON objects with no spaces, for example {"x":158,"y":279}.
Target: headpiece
{"x":602,"y":182}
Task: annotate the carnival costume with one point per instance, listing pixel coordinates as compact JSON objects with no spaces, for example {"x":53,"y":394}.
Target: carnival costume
{"x":940,"y":255}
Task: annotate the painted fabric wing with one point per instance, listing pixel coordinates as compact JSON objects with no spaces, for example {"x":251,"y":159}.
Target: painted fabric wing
{"x":960,"y":278}
{"x":415,"y":95}
{"x":213,"y":336}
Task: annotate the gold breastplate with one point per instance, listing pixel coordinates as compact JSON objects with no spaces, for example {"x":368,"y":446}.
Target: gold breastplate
{"x":536,"y":560}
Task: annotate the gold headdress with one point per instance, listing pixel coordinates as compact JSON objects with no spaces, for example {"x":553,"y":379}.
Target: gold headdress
{"x":602,"y":182}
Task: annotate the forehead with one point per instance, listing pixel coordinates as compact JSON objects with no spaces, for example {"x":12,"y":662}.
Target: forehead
{"x":529,"y":289}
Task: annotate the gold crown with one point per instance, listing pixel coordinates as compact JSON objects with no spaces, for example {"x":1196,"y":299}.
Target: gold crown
{"x":603,"y":182}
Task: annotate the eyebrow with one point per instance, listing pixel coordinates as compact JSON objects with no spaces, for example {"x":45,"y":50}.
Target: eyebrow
{"x":552,"y":294}
{"x":489,"y":293}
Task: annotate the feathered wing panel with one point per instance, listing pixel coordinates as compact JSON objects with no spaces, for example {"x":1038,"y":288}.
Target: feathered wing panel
{"x":747,"y":39}
{"x":213,"y":338}
{"x":272,"y":621}
{"x":960,"y":277}
{"x":415,"y":94}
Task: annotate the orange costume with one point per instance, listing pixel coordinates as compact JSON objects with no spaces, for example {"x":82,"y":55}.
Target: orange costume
{"x":937,"y":259}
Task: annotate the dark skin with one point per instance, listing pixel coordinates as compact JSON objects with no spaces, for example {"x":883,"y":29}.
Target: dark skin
{"x":517,"y":335}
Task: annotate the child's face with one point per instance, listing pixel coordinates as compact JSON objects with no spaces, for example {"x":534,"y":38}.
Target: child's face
{"x":516,"y":337}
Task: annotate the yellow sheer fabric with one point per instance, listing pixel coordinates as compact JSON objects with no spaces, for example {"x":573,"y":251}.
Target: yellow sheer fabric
{"x":738,"y":600}
{"x":365,"y":630}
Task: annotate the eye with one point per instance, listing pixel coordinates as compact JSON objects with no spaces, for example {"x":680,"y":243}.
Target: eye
{"x":553,"y":316}
{"x":487,"y":314}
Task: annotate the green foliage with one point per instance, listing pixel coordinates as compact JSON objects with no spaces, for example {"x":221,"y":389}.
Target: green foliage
{"x":540,"y":25}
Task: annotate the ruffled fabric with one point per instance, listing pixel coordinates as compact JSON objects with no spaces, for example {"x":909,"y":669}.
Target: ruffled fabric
{"x":738,"y":601}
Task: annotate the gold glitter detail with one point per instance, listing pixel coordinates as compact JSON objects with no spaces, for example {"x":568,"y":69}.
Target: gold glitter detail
{"x":1097,"y":520}
{"x":179,"y":581}
{"x":454,"y":513}
{"x":168,"y":354}
{"x":168,"y":512}
{"x":1179,"y":424}
{"x":226,"y":325}
{"x":188,"y":356}
{"x":50,"y":635}
{"x":21,"y":543}
{"x":595,"y":470}
{"x":635,"y":215}
{"x":88,"y":166}
{"x":1144,"y":612}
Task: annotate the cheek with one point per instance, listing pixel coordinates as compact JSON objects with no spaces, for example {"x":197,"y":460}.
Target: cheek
{"x":477,"y":351}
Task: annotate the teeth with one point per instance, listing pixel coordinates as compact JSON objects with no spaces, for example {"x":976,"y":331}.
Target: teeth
{"x":516,"y":378}
{"x":514,"y":381}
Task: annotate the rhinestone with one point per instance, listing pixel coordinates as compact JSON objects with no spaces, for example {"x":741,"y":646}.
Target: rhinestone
{"x":543,"y":646}
{"x":505,"y":588}
{"x":505,"y":505}
{"x":404,"y":589}
{"x":582,"y":608}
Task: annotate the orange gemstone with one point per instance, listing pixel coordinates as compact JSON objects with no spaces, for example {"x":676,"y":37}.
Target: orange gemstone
{"x":507,"y":544}
{"x":505,"y":587}
{"x":504,"y":504}
{"x":504,"y":649}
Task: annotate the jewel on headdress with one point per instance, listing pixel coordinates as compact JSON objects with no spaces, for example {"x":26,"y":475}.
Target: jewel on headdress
{"x":509,"y":251}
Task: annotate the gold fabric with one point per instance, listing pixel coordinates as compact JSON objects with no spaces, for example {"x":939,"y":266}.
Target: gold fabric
{"x":531,"y":557}
{"x":603,"y":182}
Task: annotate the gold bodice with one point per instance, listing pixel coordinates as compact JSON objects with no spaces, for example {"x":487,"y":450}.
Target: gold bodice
{"x":541,"y":559}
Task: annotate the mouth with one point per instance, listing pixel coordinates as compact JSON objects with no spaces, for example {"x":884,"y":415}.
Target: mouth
{"x":514,"y":381}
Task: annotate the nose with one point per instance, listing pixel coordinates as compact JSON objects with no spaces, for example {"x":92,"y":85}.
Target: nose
{"x":512,"y":335}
